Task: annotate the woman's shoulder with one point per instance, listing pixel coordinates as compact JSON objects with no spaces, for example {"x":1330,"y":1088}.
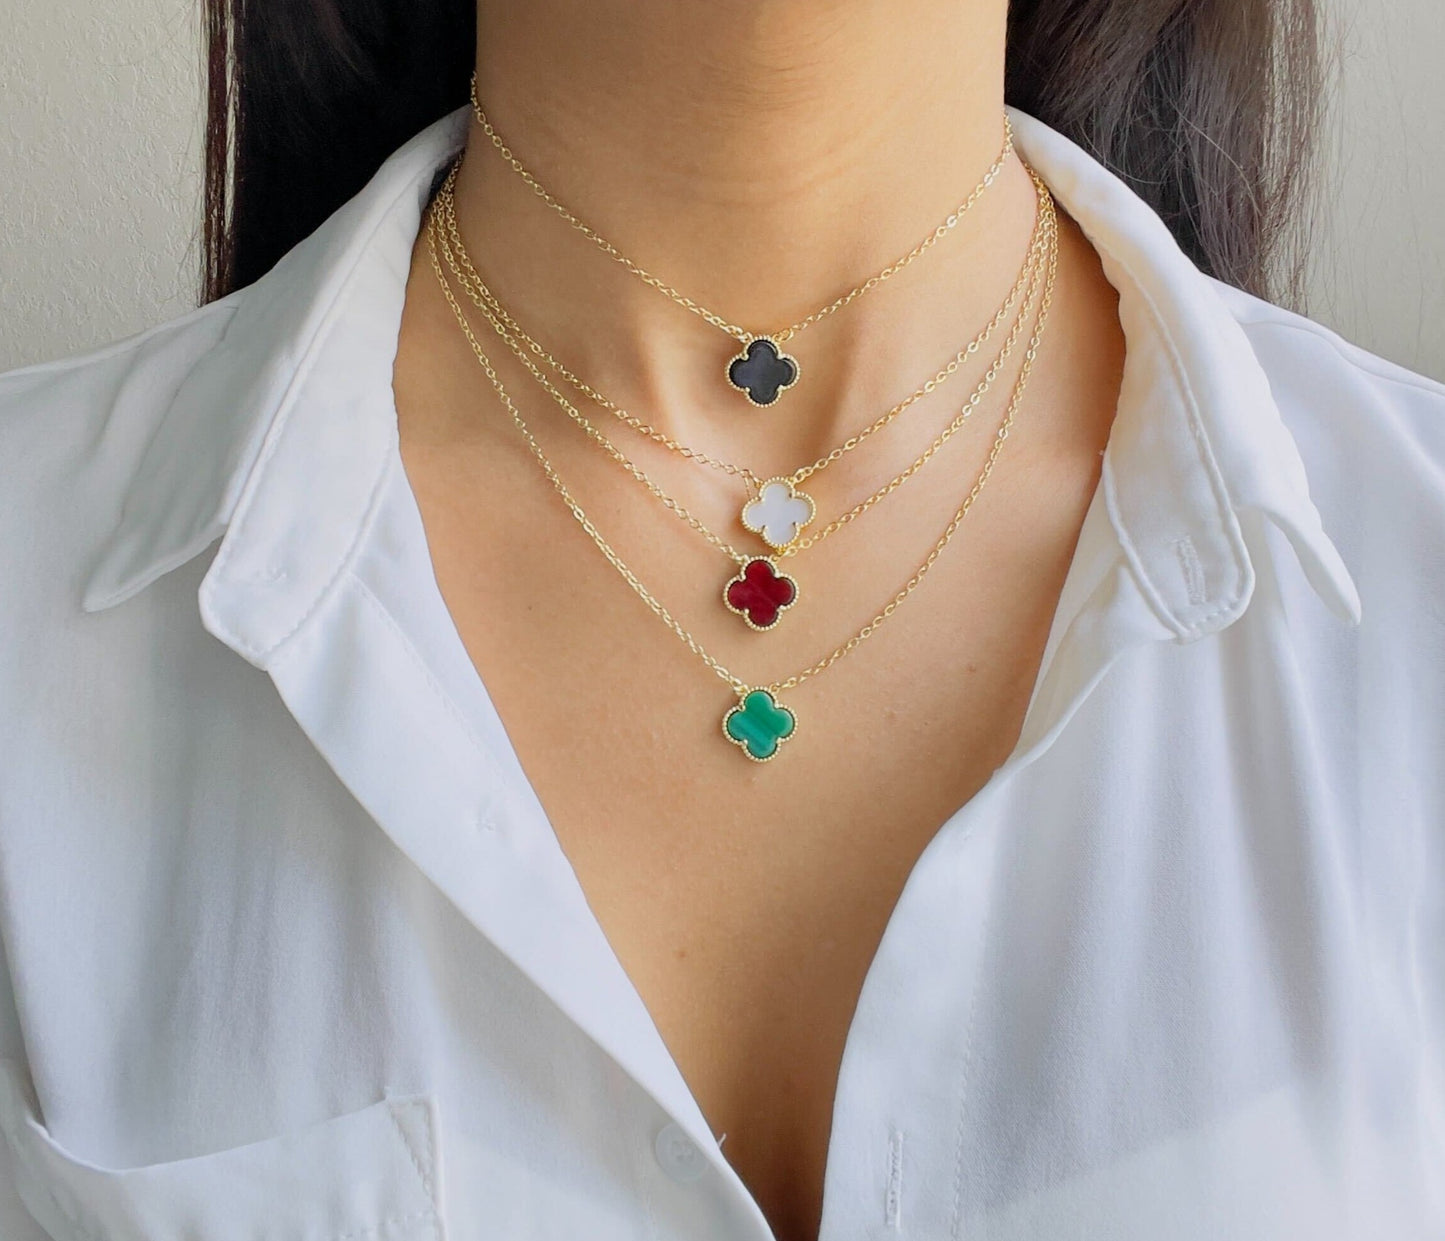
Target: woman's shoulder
{"x":139,"y":372}
{"x":1334,"y":394}
{"x":73,"y":433}
{"x":1371,"y":437}
{"x":74,"y":428}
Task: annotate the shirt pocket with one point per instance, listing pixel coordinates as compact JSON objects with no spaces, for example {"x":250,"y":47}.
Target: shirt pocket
{"x":369,"y":1175}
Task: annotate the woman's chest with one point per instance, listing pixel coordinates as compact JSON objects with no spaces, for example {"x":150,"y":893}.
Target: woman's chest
{"x":1097,"y":1000}
{"x":745,"y":900}
{"x":1124,"y":991}
{"x":748,"y":933}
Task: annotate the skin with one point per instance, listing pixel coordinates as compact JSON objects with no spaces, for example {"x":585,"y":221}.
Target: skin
{"x":763,"y":156}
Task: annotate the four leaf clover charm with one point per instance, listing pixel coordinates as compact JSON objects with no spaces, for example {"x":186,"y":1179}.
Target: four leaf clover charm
{"x":779,"y":512}
{"x":759,"y":594}
{"x":762,"y":370}
{"x":758,"y":725}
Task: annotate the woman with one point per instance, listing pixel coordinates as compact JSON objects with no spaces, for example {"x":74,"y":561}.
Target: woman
{"x":728,"y":640}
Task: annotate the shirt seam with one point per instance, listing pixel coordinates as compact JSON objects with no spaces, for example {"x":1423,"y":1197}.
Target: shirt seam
{"x":283,"y":419}
{"x":368,"y":518}
{"x":424,"y":1164}
{"x":439,"y":691}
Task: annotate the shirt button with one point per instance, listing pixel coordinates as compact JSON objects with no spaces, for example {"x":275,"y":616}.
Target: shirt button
{"x":678,"y":1156}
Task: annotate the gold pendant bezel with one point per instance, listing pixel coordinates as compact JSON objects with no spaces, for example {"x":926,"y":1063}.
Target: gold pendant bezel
{"x":742,"y":356}
{"x":741,"y":575}
{"x":742,"y":745}
{"x":794,"y":493}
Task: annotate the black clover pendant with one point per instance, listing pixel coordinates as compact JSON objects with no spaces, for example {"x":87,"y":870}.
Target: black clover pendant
{"x":761,"y":371}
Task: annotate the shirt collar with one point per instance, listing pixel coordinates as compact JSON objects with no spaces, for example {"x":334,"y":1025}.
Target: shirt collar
{"x":1198,"y":439}
{"x":277,"y":440}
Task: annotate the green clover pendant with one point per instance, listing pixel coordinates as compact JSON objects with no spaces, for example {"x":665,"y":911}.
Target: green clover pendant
{"x":758,"y":725}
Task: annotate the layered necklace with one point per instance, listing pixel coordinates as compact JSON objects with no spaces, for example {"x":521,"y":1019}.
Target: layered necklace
{"x":775,"y":509}
{"x":760,"y":371}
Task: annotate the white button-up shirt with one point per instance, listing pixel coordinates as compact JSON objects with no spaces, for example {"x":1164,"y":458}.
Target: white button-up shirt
{"x":291,"y":952}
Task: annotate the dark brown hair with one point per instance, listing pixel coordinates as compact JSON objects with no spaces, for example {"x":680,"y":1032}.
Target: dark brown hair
{"x":1207,"y":108}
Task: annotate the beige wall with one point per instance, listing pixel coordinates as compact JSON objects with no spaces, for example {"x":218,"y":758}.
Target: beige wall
{"x":1379,"y":264}
{"x":100,"y":155}
{"x":99,"y":171}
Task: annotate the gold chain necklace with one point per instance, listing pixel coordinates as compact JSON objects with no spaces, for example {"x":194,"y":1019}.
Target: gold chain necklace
{"x":758,"y":724}
{"x":489,"y":303}
{"x":785,"y":541}
{"x":761,"y":371}
{"x":759,"y":593}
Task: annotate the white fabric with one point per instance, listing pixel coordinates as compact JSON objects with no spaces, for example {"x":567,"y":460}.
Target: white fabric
{"x":291,"y":952}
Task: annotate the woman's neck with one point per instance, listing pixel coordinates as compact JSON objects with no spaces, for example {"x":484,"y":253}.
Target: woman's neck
{"x":762,"y":156}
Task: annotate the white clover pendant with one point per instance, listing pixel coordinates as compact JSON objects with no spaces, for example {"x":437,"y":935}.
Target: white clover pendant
{"x":779,"y":512}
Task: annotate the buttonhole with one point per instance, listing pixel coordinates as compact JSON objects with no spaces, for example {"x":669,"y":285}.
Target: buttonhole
{"x":893,"y":1199}
{"x":1193,"y":569}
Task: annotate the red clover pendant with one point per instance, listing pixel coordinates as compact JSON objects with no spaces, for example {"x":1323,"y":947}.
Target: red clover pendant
{"x":760,"y":594}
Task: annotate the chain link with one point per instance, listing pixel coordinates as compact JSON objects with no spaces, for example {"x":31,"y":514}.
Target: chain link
{"x":741,"y":334}
{"x":738,"y":686}
{"x":1030,"y":355}
{"x":489,"y":304}
{"x":465,"y":274}
{"x":963,"y":415}
{"x":671,"y":504}
{"x":736,"y":683}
